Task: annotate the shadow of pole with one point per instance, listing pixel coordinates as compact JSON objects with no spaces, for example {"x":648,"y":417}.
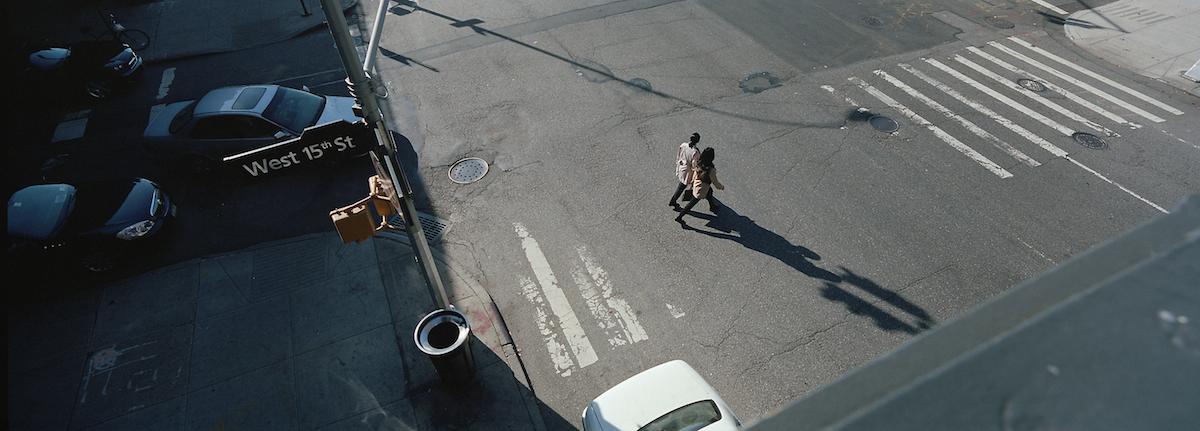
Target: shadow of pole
{"x":473,"y":25}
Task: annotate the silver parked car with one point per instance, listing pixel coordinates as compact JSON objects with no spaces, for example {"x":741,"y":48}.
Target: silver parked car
{"x":233,"y":120}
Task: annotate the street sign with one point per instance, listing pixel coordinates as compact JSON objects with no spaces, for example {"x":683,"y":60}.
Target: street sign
{"x":329,"y":142}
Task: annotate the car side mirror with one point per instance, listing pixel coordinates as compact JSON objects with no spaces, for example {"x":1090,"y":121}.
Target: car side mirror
{"x":282,"y":134}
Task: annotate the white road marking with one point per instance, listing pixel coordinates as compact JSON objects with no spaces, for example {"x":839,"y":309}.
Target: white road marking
{"x":558,"y":352}
{"x":168,"y":76}
{"x":1033,"y":96}
{"x":1047,"y":5}
{"x":613,"y":313}
{"x":1042,"y":118}
{"x":1130,"y":192}
{"x":1078,"y":83}
{"x":1069,"y":95}
{"x":1097,"y":76}
{"x":675,"y":312}
{"x":582,"y":348}
{"x":1016,"y":128}
{"x":831,"y":90}
{"x":946,"y":137}
{"x":1003,"y":146}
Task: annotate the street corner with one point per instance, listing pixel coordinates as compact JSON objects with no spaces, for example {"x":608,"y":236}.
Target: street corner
{"x":129,"y":376}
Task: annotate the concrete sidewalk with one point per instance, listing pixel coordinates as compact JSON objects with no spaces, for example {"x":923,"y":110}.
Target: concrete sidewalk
{"x":1159,"y":39}
{"x":302,"y":334}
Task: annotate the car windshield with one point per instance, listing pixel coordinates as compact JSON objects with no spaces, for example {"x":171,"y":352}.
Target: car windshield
{"x":687,"y":418}
{"x":294,"y":109}
{"x":38,"y":212}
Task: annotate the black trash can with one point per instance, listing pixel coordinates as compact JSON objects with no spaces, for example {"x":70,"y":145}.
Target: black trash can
{"x":445,"y":336}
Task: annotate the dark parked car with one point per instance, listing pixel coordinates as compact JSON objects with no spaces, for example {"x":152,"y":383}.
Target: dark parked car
{"x":96,"y":68}
{"x":232,"y":120}
{"x":89,"y":223}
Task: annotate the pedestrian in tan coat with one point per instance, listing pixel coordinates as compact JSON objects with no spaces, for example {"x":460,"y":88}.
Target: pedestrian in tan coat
{"x":703,"y":179}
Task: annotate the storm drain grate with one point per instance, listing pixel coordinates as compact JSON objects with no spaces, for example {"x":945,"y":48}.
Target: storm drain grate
{"x":883,"y":124}
{"x":431,"y":226}
{"x":1088,"y":140}
{"x":468,"y":170}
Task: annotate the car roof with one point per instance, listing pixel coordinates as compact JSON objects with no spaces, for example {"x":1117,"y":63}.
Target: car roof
{"x":228,"y":99}
{"x":644,"y":397}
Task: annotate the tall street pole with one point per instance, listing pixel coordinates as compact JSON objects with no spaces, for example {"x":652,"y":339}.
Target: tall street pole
{"x":360,"y":88}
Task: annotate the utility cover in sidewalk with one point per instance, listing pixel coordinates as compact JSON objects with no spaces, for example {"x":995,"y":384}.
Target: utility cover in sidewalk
{"x":468,"y":170}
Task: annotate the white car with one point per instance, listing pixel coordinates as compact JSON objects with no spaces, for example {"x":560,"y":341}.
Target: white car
{"x":669,"y":397}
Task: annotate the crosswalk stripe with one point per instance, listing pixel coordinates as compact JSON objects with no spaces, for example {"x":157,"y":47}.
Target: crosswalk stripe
{"x":1052,"y":7}
{"x":1003,"y":146}
{"x":559,"y":354}
{"x":584,"y":353}
{"x":1069,"y":95}
{"x":1078,"y":83}
{"x":1097,"y":76}
{"x":995,"y":94}
{"x":946,"y":137}
{"x":1033,"y":96}
{"x":1016,"y":128}
{"x":613,"y":313}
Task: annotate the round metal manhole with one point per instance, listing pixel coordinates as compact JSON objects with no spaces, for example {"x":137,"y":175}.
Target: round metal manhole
{"x":998,"y":22}
{"x":639,"y":84}
{"x":468,"y":170}
{"x":591,"y":70}
{"x":758,"y":82}
{"x":883,"y":124}
{"x":872,"y":22}
{"x":1088,"y":140}
{"x":1031,"y":85}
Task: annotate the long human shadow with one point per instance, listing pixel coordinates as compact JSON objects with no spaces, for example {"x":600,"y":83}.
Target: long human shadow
{"x":729,"y":224}
{"x":752,"y":236}
{"x":473,"y":24}
{"x":865,"y":308}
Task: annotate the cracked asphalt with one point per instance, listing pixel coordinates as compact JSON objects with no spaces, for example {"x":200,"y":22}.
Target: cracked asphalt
{"x":835,"y":242}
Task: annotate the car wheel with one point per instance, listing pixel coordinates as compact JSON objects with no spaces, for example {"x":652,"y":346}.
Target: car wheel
{"x":199,"y":165}
{"x":99,"y":88}
{"x":99,"y":261}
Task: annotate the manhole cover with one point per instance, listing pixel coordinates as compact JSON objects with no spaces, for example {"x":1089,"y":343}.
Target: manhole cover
{"x":758,"y":82}
{"x":998,"y":22}
{"x":468,"y":170}
{"x":883,"y":124}
{"x":639,"y":84}
{"x":591,"y":70}
{"x":1088,"y":140}
{"x":1032,"y":85}
{"x":872,"y":22}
